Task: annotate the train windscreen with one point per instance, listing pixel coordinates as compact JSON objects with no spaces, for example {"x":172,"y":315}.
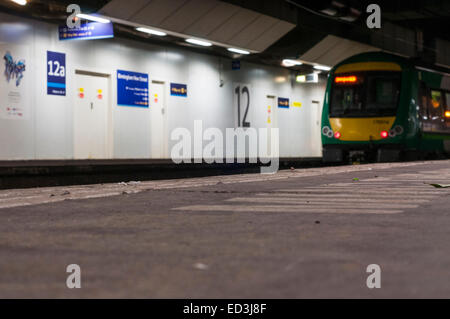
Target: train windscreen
{"x":365,"y":94}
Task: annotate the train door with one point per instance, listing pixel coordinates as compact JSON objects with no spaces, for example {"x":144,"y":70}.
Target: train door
{"x":157,"y":120}
{"x":91,"y":115}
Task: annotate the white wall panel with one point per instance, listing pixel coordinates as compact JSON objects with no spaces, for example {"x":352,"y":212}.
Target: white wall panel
{"x":48,"y":133}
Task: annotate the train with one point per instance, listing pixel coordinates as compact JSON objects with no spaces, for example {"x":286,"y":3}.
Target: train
{"x":383,"y":107}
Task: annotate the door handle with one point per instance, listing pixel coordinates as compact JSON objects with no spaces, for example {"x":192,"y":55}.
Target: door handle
{"x":92,"y":106}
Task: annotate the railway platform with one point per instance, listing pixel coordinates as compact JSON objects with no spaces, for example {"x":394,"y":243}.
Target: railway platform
{"x":309,"y":233}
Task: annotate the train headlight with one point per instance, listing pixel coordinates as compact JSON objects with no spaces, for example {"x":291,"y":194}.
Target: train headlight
{"x":330,"y":134}
{"x":392,"y":133}
{"x":384,"y":134}
{"x":337,"y":135}
{"x":399,"y":130}
{"x":325,"y":130}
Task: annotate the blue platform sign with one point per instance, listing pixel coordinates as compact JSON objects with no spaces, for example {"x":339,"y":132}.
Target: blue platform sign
{"x":177,"y":89}
{"x":283,"y":102}
{"x":132,"y":89}
{"x":87,"y":31}
{"x":235,"y":65}
{"x":56,"y":73}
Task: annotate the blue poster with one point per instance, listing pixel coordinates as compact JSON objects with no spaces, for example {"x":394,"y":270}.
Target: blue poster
{"x":87,"y":31}
{"x":283,"y":102}
{"x":56,"y":73}
{"x":132,"y":89}
{"x":178,"y":89}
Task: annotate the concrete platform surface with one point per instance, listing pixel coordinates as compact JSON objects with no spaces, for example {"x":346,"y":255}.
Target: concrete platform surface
{"x":302,"y":233}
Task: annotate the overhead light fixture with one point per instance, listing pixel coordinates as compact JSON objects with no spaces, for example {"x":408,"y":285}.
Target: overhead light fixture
{"x":93,"y":18}
{"x":301,"y":78}
{"x":151,"y":31}
{"x":280,"y":79}
{"x":239,"y":51}
{"x":308,"y":78}
{"x":290,"y":62}
{"x":20,"y":2}
{"x":322,"y":67}
{"x":330,"y":11}
{"x":199,"y":42}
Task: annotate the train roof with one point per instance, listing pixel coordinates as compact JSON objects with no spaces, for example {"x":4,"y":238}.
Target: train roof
{"x":379,"y":56}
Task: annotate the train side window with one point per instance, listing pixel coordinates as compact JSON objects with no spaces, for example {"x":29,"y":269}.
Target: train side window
{"x":447,"y":108}
{"x":423,"y":101}
{"x":447,"y":99}
{"x":435,"y":107}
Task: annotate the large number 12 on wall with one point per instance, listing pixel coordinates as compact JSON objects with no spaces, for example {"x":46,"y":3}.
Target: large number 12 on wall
{"x":242,"y":104}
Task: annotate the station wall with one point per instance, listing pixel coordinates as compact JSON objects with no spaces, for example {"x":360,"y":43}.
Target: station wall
{"x":47,"y":130}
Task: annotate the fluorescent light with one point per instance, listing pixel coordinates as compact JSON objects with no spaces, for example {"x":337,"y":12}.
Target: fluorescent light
{"x":199,"y":42}
{"x":239,"y":51}
{"x":20,"y":2}
{"x":290,"y":62}
{"x":92,"y":18}
{"x":150,"y":31}
{"x":322,"y":67}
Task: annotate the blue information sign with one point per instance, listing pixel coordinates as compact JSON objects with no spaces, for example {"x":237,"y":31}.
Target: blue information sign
{"x":132,"y":89}
{"x":283,"y":102}
{"x":56,"y":73}
{"x":87,"y":31}
{"x":177,"y":89}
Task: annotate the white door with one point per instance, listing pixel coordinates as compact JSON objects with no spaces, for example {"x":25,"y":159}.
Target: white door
{"x":157,"y":117}
{"x":91,"y":117}
{"x":271,"y":117}
{"x":316,"y":120}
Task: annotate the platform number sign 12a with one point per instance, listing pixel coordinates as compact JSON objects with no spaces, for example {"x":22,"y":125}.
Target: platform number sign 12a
{"x":242,"y":104}
{"x":56,"y":73}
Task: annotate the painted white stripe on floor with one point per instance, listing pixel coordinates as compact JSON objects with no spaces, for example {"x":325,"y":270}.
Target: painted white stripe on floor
{"x":283,"y":209}
{"x":343,"y":200}
{"x":331,"y":205}
{"x":338,"y":195}
{"x":375,"y":191}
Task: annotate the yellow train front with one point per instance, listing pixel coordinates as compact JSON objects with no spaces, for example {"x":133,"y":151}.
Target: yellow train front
{"x":376,"y":108}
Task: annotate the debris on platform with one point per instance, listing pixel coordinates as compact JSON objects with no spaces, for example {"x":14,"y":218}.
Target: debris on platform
{"x":131,"y":183}
{"x":201,"y":266}
{"x":441,"y":185}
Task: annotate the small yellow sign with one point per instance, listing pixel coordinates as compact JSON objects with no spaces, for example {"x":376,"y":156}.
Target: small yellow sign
{"x":99,"y":91}
{"x":296,"y":104}
{"x":81,"y":90}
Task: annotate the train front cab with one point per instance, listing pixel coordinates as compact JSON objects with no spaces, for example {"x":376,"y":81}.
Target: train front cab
{"x":366,"y":111}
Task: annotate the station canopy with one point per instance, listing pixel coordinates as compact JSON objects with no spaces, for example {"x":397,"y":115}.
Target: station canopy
{"x":221,"y":23}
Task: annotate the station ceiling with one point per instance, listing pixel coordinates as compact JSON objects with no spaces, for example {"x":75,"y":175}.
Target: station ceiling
{"x":320,"y":31}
